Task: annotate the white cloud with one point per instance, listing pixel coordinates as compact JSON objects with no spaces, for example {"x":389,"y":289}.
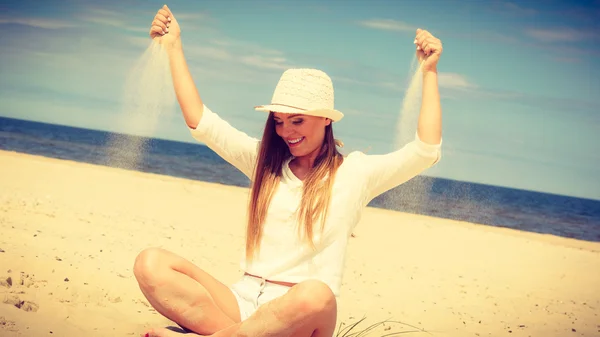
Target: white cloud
{"x":387,"y":85}
{"x":207,"y":51}
{"x":111,"y":18}
{"x":38,"y":23}
{"x":114,"y":23}
{"x":235,"y":53}
{"x":191,"y":16}
{"x":513,"y":8}
{"x":445,"y":80}
{"x":221,"y":42}
{"x":265,"y":62}
{"x":103,"y":12}
{"x":455,"y":81}
{"x":349,"y":80}
{"x":245,"y":46}
{"x":388,"y":24}
{"x":221,"y":49}
{"x":488,"y":36}
{"x":562,"y":34}
{"x":567,"y":59}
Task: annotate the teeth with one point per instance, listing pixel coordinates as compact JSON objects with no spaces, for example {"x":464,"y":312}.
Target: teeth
{"x":294,"y":141}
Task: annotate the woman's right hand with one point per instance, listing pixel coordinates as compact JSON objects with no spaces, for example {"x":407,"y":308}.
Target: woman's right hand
{"x":165,"y":29}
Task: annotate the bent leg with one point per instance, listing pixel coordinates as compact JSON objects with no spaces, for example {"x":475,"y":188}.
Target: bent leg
{"x":307,"y":309}
{"x":184,"y":293}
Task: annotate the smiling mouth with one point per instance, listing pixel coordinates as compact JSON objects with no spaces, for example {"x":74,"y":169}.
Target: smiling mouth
{"x":295,"y":142}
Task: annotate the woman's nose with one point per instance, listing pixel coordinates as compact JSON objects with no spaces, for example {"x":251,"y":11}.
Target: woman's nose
{"x":285,"y":131}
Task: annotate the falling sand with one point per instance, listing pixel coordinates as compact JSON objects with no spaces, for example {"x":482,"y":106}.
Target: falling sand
{"x":148,"y":96}
{"x":417,"y":197}
{"x":409,"y":112}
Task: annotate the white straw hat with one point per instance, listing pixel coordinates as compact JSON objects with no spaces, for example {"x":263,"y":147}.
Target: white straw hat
{"x":304,"y":91}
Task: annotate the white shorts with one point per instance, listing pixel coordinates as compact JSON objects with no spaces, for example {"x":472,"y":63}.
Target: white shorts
{"x":252,"y":292}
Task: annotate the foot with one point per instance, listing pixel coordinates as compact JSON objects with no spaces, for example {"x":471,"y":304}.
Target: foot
{"x":164,"y":332}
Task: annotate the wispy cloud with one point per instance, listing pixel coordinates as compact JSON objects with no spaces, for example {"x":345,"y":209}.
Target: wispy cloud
{"x":382,"y":84}
{"x":513,"y":8}
{"x":567,"y":59}
{"x":388,"y":24}
{"x":446,"y":80}
{"x":265,"y":62}
{"x":38,"y":23}
{"x":581,"y":12}
{"x":192,"y":16}
{"x":583,"y":108}
{"x":110,"y":18}
{"x":197,"y":21}
{"x":208,"y":51}
{"x":455,"y":81}
{"x":562,"y":34}
{"x":245,"y":46}
{"x":487,"y":36}
{"x":247,"y":54}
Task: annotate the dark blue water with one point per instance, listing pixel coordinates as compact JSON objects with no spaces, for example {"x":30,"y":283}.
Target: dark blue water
{"x":495,"y":206}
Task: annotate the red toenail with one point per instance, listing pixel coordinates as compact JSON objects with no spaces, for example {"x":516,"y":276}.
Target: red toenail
{"x":147,"y":335}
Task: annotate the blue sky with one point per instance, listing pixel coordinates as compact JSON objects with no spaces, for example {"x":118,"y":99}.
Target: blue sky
{"x":519,"y":81}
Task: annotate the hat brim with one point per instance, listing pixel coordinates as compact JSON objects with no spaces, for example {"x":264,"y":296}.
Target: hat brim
{"x":332,"y":114}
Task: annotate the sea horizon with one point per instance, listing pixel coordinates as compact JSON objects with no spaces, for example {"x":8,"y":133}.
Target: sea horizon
{"x":486,"y":204}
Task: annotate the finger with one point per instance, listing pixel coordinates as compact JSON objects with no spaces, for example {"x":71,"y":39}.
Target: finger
{"x":159,"y":24}
{"x":420,"y":55}
{"x":428,"y":46}
{"x":165,"y":7}
{"x":421,"y":39}
{"x":162,"y":19}
{"x":419,"y":30}
{"x":425,"y":48}
{"x":428,"y":50}
{"x":432,"y":41}
{"x":164,"y":13}
{"x":156,"y":31}
{"x":435,"y":47}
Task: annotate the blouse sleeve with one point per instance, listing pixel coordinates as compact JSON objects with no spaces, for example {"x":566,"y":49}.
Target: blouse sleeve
{"x":384,"y":172}
{"x":234,"y":146}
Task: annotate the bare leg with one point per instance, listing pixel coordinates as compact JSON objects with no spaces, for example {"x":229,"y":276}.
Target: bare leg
{"x":184,"y":293}
{"x":309,"y":309}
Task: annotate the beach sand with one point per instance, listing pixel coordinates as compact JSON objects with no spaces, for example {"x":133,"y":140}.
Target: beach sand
{"x":70,"y":233}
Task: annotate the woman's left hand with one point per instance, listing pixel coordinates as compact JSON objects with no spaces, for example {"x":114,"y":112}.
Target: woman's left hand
{"x":429,"y":49}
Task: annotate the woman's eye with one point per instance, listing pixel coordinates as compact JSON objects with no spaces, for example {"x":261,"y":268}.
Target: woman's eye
{"x":298,"y":122}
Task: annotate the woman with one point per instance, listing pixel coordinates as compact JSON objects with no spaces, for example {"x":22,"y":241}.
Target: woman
{"x":306,"y":198}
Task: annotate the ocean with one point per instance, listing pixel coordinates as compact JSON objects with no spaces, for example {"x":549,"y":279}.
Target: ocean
{"x":489,"y":205}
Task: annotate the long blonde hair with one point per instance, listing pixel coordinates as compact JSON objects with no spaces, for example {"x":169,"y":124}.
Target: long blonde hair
{"x":316,"y":193}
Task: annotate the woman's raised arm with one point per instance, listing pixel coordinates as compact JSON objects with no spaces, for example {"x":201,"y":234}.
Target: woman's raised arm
{"x":384,"y":172}
{"x":234,"y":146}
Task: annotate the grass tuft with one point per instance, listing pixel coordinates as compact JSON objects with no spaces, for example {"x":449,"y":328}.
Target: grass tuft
{"x":352,"y":330}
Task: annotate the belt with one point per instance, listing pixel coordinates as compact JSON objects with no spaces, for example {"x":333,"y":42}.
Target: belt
{"x":285,"y":284}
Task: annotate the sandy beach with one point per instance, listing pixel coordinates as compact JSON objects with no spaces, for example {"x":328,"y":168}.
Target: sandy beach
{"x":70,"y":233}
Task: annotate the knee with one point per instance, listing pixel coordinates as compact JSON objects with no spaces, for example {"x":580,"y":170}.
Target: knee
{"x":313,"y":297}
{"x":149,"y":265}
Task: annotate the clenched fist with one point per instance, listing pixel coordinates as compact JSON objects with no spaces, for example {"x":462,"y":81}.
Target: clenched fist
{"x":165,"y":28}
{"x":429,"y":49}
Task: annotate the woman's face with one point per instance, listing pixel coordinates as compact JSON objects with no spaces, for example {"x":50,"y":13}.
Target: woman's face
{"x":303,"y":134}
